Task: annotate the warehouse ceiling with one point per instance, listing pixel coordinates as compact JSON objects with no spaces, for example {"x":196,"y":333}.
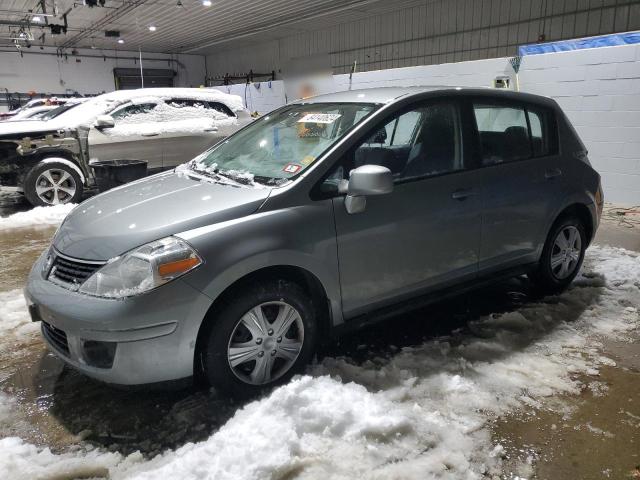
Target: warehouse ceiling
{"x":170,"y":26}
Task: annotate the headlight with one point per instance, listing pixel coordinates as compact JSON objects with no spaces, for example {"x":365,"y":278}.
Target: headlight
{"x":142,"y":269}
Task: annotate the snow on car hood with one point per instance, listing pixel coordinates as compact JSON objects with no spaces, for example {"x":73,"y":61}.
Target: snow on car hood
{"x":124,"y":218}
{"x":24,"y":128}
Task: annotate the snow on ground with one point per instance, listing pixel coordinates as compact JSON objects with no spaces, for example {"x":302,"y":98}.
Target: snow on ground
{"x":14,"y":318}
{"x":420,"y":414}
{"x":37,"y":217}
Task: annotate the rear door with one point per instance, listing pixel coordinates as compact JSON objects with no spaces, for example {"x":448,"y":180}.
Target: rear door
{"x":135,"y":136}
{"x":522,"y":180}
{"x":423,"y":235}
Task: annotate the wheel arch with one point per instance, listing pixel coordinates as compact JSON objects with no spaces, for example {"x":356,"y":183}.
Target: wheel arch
{"x":581,"y":211}
{"x":61,"y":156}
{"x":301,"y":276}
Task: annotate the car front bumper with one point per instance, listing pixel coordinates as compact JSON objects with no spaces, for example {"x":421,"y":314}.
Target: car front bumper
{"x":149,"y":338}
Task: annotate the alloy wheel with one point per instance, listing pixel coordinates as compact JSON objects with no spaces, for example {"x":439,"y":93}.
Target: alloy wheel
{"x":55,"y":186}
{"x":265,"y":343}
{"x":565,"y":255}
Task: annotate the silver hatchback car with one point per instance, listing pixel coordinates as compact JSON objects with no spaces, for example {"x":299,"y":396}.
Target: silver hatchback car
{"x":325,"y":214}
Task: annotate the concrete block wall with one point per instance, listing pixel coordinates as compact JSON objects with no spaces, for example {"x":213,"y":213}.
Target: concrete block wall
{"x":599,"y":89}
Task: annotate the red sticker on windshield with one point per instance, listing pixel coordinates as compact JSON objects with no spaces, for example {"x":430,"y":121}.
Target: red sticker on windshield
{"x":291,"y":168}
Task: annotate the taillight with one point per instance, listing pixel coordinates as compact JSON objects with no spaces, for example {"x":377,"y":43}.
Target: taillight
{"x":599,"y":199}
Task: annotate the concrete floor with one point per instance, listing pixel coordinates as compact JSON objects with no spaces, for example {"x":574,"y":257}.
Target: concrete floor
{"x":597,"y":437}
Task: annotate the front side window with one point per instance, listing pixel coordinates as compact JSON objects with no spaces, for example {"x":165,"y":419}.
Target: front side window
{"x":132,"y":110}
{"x":422,"y":142}
{"x":283,"y":144}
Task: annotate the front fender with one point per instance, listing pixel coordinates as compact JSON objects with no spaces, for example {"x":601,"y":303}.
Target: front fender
{"x":302,"y":236}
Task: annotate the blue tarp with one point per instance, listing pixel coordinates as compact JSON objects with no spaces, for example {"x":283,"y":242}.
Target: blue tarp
{"x":628,"y":38}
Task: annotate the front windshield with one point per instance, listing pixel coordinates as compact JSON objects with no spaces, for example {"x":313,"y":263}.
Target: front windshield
{"x":57,"y":111}
{"x":282,"y":144}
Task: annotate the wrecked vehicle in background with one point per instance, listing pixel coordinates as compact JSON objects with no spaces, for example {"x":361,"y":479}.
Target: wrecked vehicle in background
{"x":49,"y":160}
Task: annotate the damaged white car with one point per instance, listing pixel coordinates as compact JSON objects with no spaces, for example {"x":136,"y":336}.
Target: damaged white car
{"x":50,"y":160}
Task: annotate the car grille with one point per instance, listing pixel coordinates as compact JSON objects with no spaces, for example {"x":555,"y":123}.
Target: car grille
{"x":71,"y":272}
{"x":56,"y":337}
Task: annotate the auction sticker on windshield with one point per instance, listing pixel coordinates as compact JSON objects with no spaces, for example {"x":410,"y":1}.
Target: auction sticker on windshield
{"x":320,"y":118}
{"x":291,"y":168}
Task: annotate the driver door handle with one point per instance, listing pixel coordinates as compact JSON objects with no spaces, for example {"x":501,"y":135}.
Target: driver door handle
{"x":463,"y":194}
{"x":212,"y":129}
{"x":150,"y":134}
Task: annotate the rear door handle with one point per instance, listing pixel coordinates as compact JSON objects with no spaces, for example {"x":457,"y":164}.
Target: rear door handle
{"x":150,"y":134}
{"x":463,"y":194}
{"x":211,"y":129}
{"x":552,"y":173}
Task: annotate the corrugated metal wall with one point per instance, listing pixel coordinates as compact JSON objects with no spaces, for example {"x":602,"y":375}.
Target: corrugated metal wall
{"x":435,"y":32}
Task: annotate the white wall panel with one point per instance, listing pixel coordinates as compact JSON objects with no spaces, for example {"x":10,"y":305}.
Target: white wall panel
{"x":52,"y":74}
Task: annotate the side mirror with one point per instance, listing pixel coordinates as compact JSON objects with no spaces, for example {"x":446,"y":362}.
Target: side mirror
{"x":366,"y":180}
{"x":104,"y":121}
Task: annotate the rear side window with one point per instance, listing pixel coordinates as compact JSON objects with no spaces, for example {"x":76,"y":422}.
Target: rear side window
{"x":217,"y":106}
{"x":511,"y":133}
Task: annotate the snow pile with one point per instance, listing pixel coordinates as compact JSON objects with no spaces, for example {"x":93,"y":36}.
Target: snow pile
{"x":29,"y":462}
{"x":15,"y":321}
{"x":420,"y":414}
{"x":37,"y":217}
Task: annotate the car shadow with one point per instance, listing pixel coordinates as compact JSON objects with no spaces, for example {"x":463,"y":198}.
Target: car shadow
{"x":152,"y":421}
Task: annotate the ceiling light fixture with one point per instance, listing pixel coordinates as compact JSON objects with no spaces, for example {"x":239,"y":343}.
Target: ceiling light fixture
{"x":37,"y":19}
{"x":152,"y":28}
{"x":206,"y":3}
{"x":121,"y":40}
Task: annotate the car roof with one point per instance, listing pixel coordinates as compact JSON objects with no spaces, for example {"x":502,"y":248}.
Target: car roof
{"x":393,"y":94}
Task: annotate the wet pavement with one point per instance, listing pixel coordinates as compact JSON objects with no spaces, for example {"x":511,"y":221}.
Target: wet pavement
{"x":57,"y":407}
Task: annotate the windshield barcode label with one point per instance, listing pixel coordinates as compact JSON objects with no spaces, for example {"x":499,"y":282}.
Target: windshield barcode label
{"x":319,"y":118}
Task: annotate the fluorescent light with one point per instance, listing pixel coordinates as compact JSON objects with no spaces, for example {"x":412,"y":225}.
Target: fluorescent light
{"x":206,"y":3}
{"x":120,"y":40}
{"x":152,"y":28}
{"x":37,"y":19}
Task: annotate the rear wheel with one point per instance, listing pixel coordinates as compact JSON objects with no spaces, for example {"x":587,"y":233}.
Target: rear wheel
{"x":260,"y":338}
{"x":562,"y":255}
{"x":52,"y":183}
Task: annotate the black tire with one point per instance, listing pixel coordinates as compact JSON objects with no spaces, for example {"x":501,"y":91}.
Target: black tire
{"x":215,"y":354}
{"x":56,"y":169}
{"x":544,"y":277}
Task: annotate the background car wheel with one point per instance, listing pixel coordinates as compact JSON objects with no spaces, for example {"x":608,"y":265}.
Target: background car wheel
{"x":562,"y":255}
{"x":260,"y":338}
{"x":52,"y":183}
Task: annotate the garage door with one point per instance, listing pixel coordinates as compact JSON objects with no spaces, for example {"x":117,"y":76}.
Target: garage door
{"x":129,"y":78}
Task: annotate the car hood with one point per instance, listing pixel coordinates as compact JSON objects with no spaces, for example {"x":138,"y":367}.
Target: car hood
{"x":22,"y":128}
{"x":126,"y":217}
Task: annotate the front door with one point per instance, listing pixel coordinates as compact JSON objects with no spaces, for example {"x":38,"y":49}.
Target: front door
{"x":137,"y":135}
{"x":423,"y":235}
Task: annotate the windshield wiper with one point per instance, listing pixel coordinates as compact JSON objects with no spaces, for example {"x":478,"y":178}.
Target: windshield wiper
{"x":215,"y":175}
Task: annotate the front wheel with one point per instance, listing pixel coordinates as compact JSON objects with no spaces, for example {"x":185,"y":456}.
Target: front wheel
{"x":52,"y":183}
{"x":562,"y":255}
{"x":260,"y":338}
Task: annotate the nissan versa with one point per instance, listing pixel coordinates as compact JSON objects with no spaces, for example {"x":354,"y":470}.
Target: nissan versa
{"x":325,"y":214}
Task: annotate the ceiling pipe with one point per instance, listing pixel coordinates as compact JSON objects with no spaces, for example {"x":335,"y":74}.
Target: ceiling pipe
{"x":111,"y":17}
